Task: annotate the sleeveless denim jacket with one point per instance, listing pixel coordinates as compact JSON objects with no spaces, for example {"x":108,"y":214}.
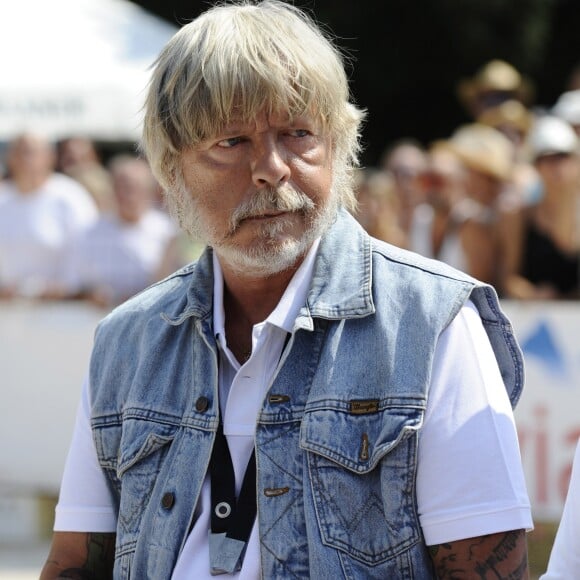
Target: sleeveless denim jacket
{"x":336,"y":437}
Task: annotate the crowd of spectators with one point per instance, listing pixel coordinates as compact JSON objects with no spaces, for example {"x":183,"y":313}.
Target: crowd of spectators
{"x":499,"y":198}
{"x":72,"y":227}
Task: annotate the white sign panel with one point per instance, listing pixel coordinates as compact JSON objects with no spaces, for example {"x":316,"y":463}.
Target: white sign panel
{"x":548,"y":415}
{"x":107,"y":113}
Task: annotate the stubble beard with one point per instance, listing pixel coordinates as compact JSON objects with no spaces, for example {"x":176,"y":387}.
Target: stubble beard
{"x":272,"y":250}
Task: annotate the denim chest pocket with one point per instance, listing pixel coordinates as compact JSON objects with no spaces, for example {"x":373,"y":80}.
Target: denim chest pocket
{"x":143,"y":447}
{"x":362,"y":473}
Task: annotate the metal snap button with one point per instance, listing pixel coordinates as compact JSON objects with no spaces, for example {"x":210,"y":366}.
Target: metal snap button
{"x":223,"y":509}
{"x":202,"y":404}
{"x":167,"y":500}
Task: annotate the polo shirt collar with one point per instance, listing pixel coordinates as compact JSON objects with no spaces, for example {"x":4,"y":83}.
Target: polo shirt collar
{"x":287,"y":309}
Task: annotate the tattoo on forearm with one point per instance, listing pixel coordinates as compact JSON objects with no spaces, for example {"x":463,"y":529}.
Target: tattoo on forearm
{"x":497,"y":556}
{"x":521,"y":571}
{"x":447,"y":567}
{"x":99,"y":562}
{"x":100,"y":550}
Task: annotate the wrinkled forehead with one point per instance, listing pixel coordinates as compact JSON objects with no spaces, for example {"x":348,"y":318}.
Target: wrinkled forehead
{"x":268,"y":118}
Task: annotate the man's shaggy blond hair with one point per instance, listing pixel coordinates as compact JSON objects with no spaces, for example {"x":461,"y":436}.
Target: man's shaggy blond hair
{"x":239,"y":60}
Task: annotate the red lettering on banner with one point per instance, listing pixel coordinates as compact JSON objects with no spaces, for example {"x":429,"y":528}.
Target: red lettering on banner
{"x":541,"y":455}
{"x":548,"y":476}
{"x":571,"y":438}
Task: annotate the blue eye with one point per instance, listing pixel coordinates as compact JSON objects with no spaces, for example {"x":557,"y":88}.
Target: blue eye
{"x":230,"y":142}
{"x":299,"y":133}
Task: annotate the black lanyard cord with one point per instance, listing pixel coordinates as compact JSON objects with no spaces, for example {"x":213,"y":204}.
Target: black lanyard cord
{"x":233,"y":517}
{"x":222,"y":478}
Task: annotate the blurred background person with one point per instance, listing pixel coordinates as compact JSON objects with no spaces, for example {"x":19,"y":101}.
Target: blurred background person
{"x":78,"y":158}
{"x":122,"y":253}
{"x":436,"y":223}
{"x":180,"y":251}
{"x":494,"y":83}
{"x":41,"y":212}
{"x":405,"y":161}
{"x":545,"y":254}
{"x":567,"y":108}
{"x":482,"y":213}
{"x":378,"y":206}
{"x":514,"y":120}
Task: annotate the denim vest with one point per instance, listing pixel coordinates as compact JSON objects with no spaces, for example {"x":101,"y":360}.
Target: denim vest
{"x":336,"y":437}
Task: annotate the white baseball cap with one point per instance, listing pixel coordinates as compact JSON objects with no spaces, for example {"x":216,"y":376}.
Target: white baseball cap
{"x":567,"y":107}
{"x":551,"y":135}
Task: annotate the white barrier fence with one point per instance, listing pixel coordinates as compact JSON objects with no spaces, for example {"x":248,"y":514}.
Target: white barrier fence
{"x":44,"y":351}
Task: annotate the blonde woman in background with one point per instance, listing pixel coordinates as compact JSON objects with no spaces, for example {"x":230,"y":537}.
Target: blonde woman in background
{"x":378,"y":207}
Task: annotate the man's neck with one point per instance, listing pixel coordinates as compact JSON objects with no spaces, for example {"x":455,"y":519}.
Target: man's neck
{"x":248,"y":301}
{"x":253,"y":298}
{"x":26,"y":184}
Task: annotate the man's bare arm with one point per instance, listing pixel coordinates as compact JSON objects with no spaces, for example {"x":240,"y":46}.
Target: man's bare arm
{"x":81,"y":556}
{"x":503,"y":555}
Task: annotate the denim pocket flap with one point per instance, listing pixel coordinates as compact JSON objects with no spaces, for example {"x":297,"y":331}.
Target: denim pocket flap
{"x":140,"y":439}
{"x":358,"y":441}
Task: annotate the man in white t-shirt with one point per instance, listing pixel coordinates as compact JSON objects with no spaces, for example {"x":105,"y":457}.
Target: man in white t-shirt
{"x":121,"y":253}
{"x":41,"y":213}
{"x":304,"y":401}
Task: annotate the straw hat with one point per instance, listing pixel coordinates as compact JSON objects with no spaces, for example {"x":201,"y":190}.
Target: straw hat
{"x":495,"y":76}
{"x":484,"y":149}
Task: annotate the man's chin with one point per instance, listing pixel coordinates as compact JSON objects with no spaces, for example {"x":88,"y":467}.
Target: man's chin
{"x":273,"y":230}
{"x":265,"y":260}
{"x":277,"y":246}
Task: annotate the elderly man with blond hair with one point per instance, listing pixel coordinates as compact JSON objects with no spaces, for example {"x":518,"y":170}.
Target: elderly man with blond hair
{"x":303,"y":401}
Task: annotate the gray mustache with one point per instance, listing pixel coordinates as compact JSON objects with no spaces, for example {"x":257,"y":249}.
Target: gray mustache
{"x":283,"y":198}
